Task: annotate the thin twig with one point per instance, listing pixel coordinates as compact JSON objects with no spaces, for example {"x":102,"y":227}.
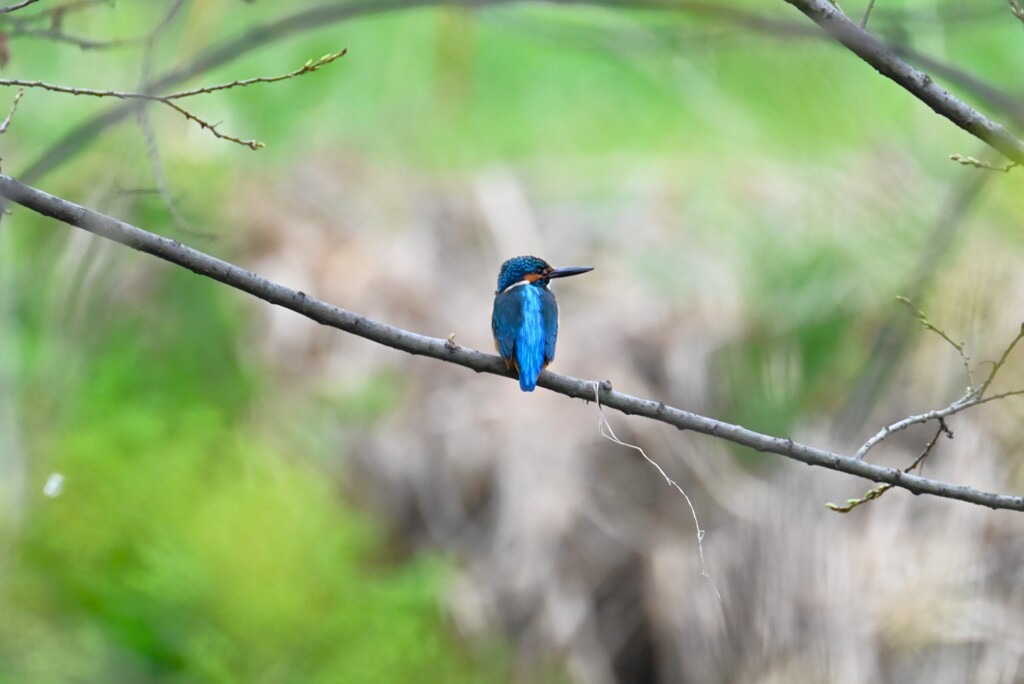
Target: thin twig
{"x":307,"y":68}
{"x":980,"y":164}
{"x":867,"y":13}
{"x":212,"y":127}
{"x":49,"y":24}
{"x":59,"y":36}
{"x":202,"y":264}
{"x":961,"y":404}
{"x":146,"y":127}
{"x":959,"y":346}
{"x":893,"y":337}
{"x":10,"y":115}
{"x":608,"y":433}
{"x":919,"y":84}
{"x":999,"y":364}
{"x":160,"y":27}
{"x":1017,"y":10}
{"x":1001,"y":395}
{"x":160,"y":178}
{"x":56,"y":12}
{"x":878,"y":491}
{"x":16,"y":7}
{"x":973,"y":397}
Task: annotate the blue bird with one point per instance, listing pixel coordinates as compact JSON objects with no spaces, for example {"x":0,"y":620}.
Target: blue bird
{"x":525,"y":317}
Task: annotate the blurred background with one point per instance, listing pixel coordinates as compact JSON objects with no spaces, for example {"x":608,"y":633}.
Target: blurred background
{"x":198,"y":487}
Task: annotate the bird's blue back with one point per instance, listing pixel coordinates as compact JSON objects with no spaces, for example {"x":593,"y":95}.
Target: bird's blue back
{"x":525,"y":326}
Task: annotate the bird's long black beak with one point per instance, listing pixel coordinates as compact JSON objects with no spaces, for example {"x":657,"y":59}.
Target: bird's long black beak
{"x":569,"y":271}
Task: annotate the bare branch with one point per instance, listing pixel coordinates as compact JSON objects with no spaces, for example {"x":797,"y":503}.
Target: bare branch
{"x":55,"y":13}
{"x":308,"y":68}
{"x":10,"y":115}
{"x":48,"y":24}
{"x":162,"y":25}
{"x":878,"y":491}
{"x":59,"y":36}
{"x":145,"y":125}
{"x":160,"y":178}
{"x":999,"y":364}
{"x":961,"y":404}
{"x":251,"y":144}
{"x":212,"y":127}
{"x":867,"y":47}
{"x":16,"y":7}
{"x":980,"y":164}
{"x":959,"y":346}
{"x":1009,"y":104}
{"x":446,"y":350}
{"x":972,"y":398}
{"x":867,"y":13}
{"x":1017,"y":10}
{"x":893,"y":335}
{"x":1001,"y":395}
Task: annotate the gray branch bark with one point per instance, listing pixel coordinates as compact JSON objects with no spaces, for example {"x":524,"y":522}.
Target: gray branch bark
{"x":916,"y":82}
{"x":175,"y":252}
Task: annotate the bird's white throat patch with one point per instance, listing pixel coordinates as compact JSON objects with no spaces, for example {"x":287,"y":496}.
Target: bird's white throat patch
{"x":524,"y":281}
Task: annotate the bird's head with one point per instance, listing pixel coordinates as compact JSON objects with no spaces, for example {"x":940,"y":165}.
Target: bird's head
{"x":531,"y":270}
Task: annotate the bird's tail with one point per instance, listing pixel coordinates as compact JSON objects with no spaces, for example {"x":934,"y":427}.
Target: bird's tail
{"x":528,"y":373}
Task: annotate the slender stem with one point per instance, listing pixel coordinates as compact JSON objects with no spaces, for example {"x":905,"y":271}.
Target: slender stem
{"x":867,"y":13}
{"x":17,"y":6}
{"x":999,"y":364}
{"x":883,"y":488}
{"x":170,"y":100}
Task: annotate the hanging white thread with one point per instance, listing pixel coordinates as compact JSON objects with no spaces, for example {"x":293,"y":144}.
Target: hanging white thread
{"x":608,"y":433}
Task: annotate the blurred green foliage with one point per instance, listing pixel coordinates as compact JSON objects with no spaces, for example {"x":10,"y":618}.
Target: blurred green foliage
{"x":188,"y":547}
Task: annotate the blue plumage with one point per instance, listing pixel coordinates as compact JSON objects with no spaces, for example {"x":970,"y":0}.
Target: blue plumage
{"x":525,"y":316}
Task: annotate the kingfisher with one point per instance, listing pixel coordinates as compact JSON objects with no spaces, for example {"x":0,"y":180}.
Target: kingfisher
{"x":525,"y":317}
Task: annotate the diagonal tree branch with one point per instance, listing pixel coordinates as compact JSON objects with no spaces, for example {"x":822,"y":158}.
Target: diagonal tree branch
{"x":830,"y":18}
{"x":446,"y":350}
{"x":17,"y":6}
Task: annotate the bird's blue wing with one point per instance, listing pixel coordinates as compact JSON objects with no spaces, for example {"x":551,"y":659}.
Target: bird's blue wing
{"x":525,"y":327}
{"x":549,"y":313}
{"x":531,"y":338}
{"x":506,"y":319}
